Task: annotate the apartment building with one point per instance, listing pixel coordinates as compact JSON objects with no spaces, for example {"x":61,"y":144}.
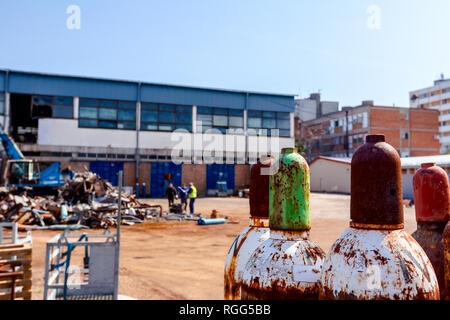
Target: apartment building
{"x":436,"y":97}
{"x":413,"y":132}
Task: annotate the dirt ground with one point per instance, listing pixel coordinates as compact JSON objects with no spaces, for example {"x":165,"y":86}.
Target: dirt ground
{"x":181,"y":260}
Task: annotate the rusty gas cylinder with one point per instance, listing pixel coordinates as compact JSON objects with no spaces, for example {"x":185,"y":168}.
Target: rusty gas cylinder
{"x":252,"y":236}
{"x":431,"y":201}
{"x":375,"y":258}
{"x":447,"y":262}
{"x":288,"y":264}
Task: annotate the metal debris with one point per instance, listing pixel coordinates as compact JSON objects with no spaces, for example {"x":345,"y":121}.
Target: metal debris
{"x":85,"y":201}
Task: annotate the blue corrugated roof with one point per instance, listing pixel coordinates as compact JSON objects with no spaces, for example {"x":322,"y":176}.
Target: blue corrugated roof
{"x":87,"y":87}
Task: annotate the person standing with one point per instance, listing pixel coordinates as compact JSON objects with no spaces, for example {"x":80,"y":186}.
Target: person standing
{"x":183,"y":195}
{"x":192,"y":193}
{"x":171,"y":193}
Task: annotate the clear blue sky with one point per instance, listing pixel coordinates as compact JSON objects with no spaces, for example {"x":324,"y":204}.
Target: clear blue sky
{"x":296,"y":46}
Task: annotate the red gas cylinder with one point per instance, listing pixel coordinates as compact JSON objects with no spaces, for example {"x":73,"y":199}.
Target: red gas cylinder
{"x":432,"y":200}
{"x":259,"y":187}
{"x":376,"y":258}
{"x":431,"y":194}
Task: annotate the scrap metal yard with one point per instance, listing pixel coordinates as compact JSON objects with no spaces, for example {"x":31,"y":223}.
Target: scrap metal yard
{"x":182,"y":260}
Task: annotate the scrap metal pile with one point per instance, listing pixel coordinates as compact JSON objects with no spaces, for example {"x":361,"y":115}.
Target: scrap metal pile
{"x":86,"y":201}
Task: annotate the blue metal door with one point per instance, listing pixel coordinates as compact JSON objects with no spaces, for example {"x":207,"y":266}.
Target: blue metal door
{"x":161,"y":174}
{"x":222,"y":172}
{"x":108,"y":170}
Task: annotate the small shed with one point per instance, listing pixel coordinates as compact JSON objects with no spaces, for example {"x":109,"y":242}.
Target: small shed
{"x":329,"y":174}
{"x":410,"y":166}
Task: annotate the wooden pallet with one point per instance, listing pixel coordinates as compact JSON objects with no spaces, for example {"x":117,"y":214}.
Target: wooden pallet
{"x":16,"y":257}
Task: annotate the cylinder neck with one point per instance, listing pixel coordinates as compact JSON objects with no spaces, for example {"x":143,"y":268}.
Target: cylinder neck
{"x":427,"y":165}
{"x":259,"y":222}
{"x":289,"y":235}
{"x":375,"y":138}
{"x":431,"y":226}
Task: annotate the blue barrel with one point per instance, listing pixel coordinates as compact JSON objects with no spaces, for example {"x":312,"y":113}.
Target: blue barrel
{"x":204,"y":221}
{"x":137,"y":190}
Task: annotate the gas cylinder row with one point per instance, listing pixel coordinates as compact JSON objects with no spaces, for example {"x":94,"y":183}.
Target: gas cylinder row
{"x":375,"y":258}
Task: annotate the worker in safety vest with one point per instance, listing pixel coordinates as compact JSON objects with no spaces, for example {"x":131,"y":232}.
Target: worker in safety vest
{"x":192,"y":193}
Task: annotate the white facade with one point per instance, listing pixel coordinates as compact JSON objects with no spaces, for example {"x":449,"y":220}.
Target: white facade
{"x":64,"y":135}
{"x":436,"y":97}
{"x":330,"y":175}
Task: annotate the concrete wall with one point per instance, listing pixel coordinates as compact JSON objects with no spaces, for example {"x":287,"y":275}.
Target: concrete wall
{"x":65,"y":132}
{"x":330,"y":176}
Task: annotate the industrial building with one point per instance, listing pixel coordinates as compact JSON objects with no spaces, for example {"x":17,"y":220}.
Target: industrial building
{"x":412,"y":132}
{"x":109,"y":125}
{"x":332,"y":175}
{"x":436,"y":97}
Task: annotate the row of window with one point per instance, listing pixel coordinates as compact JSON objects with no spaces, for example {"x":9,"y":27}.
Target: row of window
{"x":219,"y":118}
{"x":164,"y":117}
{"x":267,"y":120}
{"x":107,"y":114}
{"x":115,"y":114}
{"x":52,"y":107}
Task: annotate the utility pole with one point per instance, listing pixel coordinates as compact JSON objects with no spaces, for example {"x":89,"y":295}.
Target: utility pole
{"x":346,"y":134}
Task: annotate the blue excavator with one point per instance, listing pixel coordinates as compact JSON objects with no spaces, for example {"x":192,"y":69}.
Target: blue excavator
{"x":25,"y":174}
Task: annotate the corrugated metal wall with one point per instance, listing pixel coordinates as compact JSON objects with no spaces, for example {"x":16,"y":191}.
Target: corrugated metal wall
{"x":214,"y":171}
{"x":107,"y":170}
{"x":158,"y":183}
{"x":61,"y":85}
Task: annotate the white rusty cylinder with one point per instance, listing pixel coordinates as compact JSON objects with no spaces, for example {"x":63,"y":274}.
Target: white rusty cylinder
{"x":377,"y":264}
{"x":240,"y":251}
{"x":286,"y":266}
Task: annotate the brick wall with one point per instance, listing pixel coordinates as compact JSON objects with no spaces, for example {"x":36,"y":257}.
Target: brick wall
{"x":241,"y":175}
{"x":421,"y":120}
{"x":79,"y":166}
{"x":424,"y":139}
{"x":129,"y":174}
{"x":392,"y":136}
{"x":195,"y":173}
{"x":144,"y":176}
{"x":386,"y":118}
{"x":424,"y":119}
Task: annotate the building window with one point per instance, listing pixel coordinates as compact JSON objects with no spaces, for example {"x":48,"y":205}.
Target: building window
{"x":219,"y":118}
{"x":52,"y":107}
{"x":269,"y":120}
{"x":107,"y":114}
{"x":2,"y":103}
{"x":165,"y":117}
